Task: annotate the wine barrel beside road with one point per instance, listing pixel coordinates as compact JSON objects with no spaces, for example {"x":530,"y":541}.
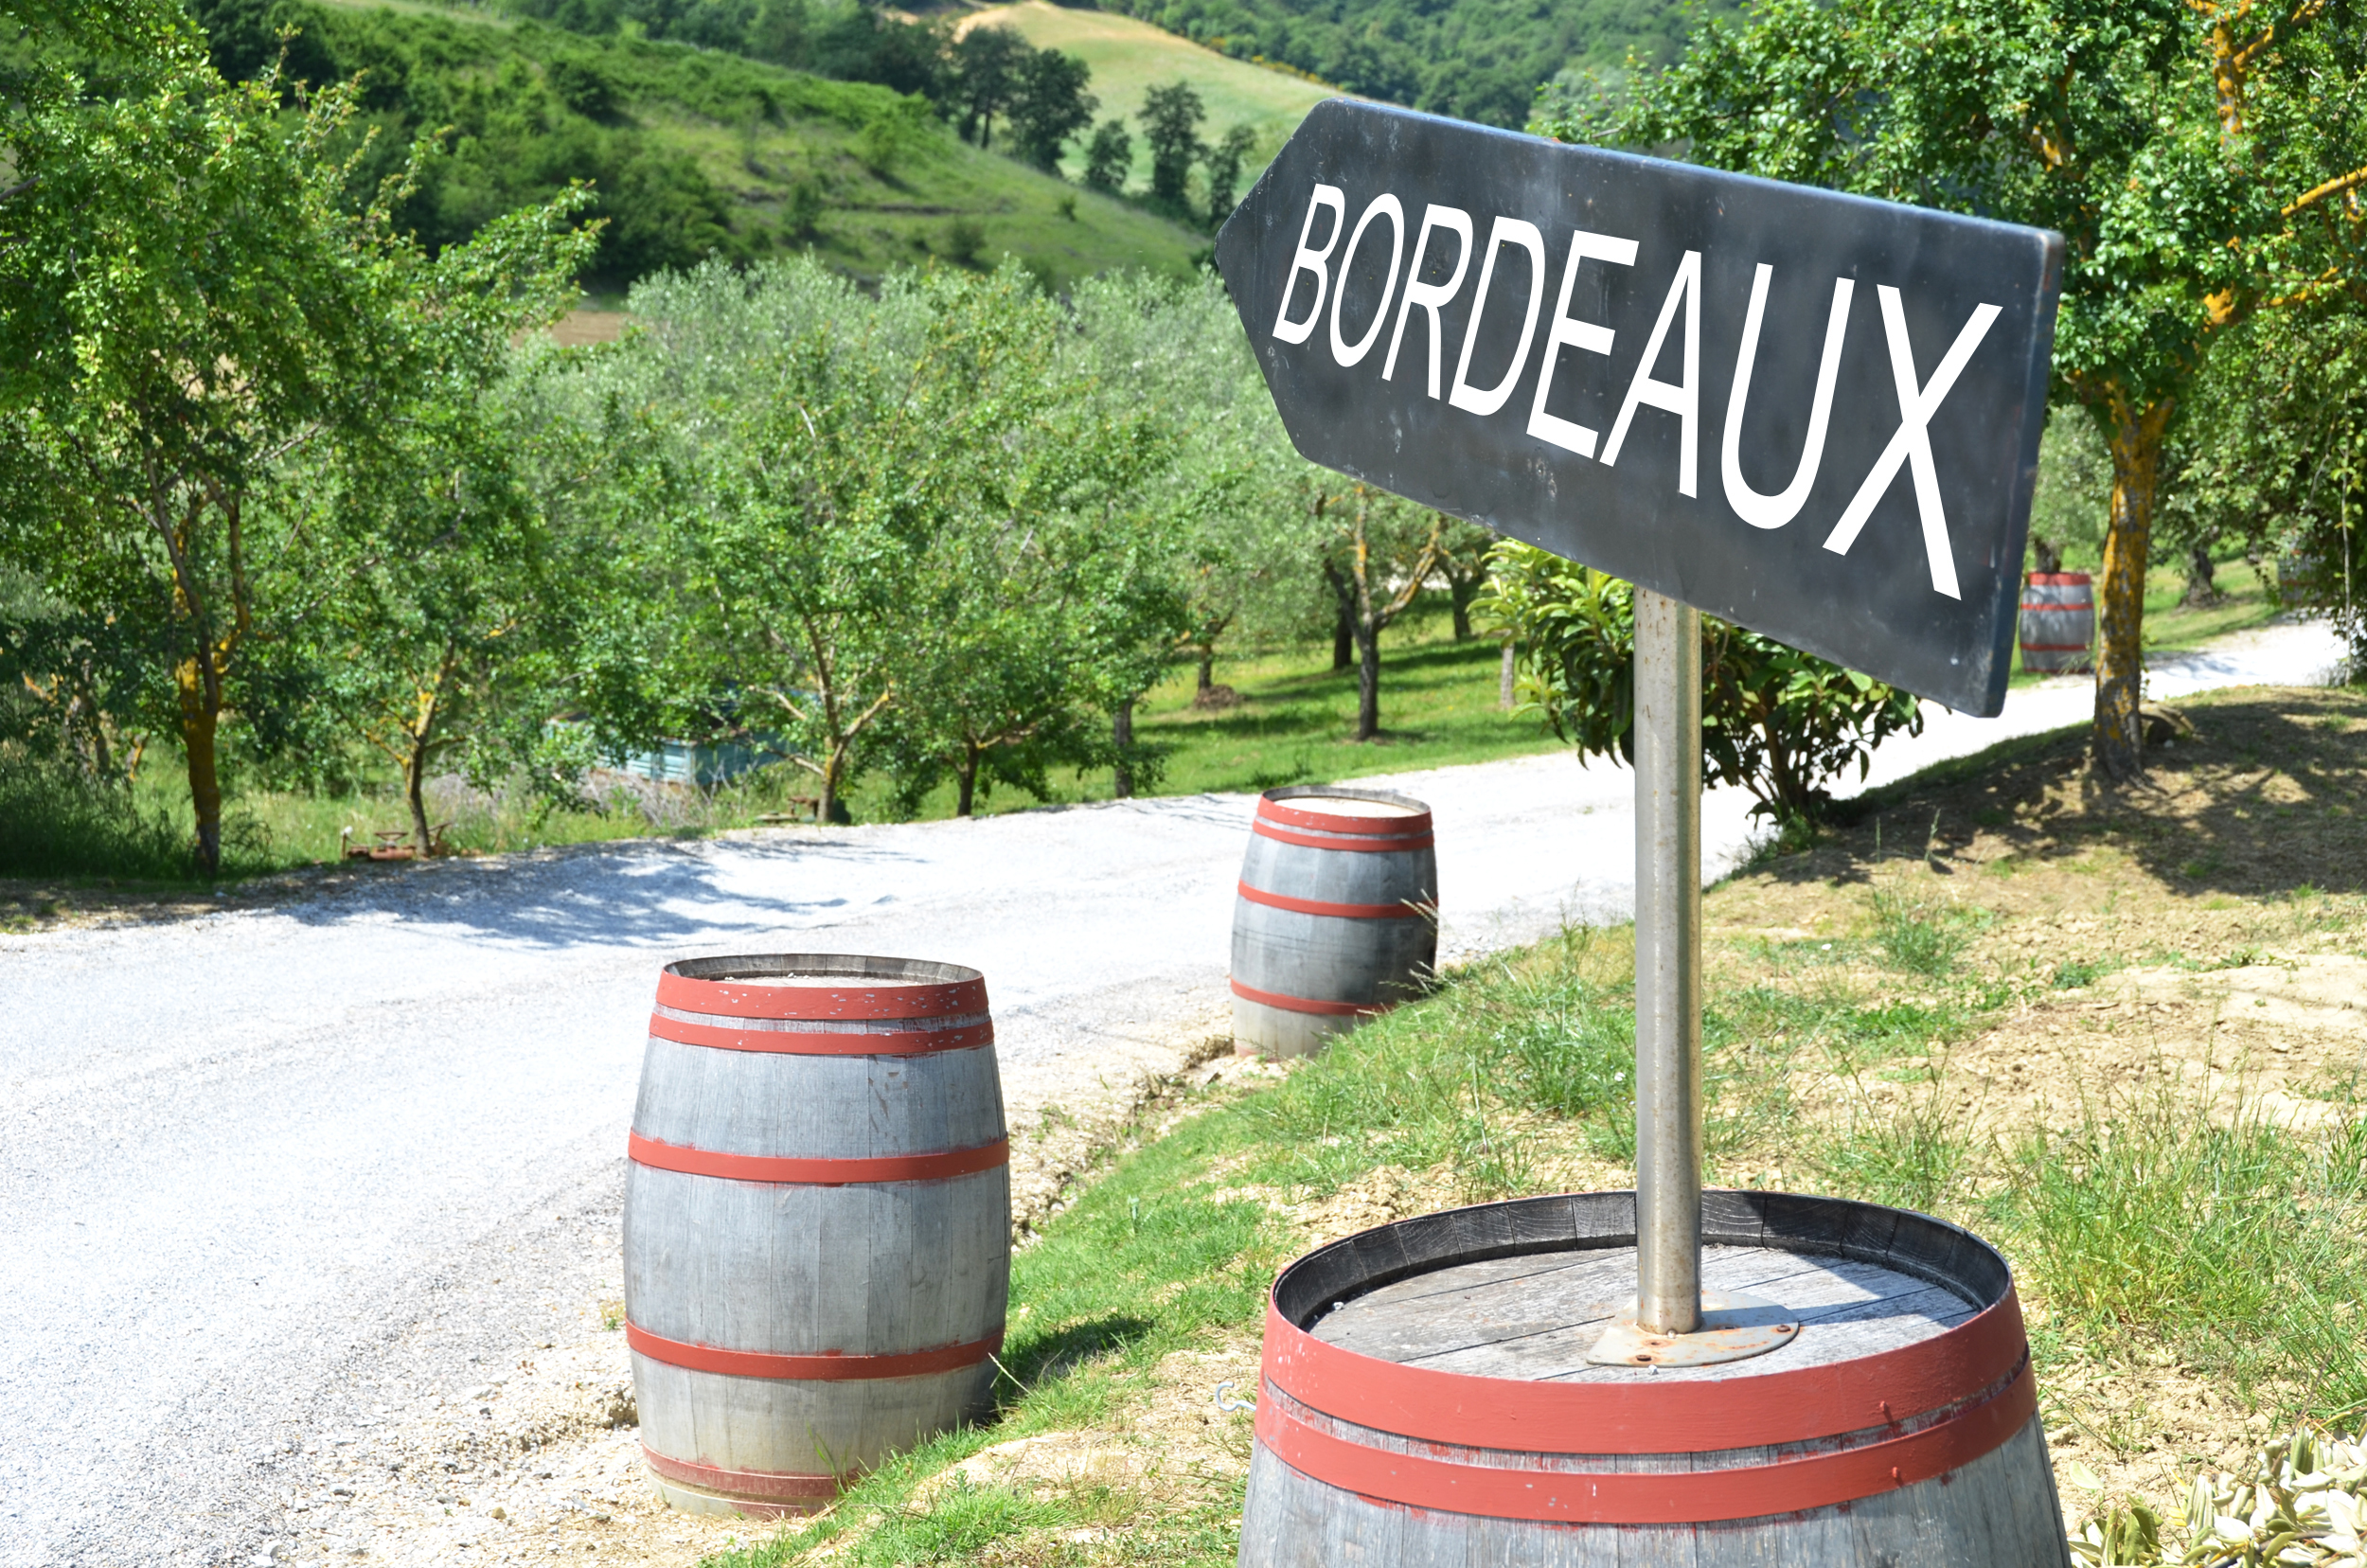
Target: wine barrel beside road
{"x":1427,"y":1400}
{"x":817,"y":1222}
{"x":1336,"y":916}
{"x":2058,"y":621}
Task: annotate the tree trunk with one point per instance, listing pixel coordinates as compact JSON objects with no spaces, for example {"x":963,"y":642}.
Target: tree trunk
{"x":414,"y":792}
{"x":2201,"y":589}
{"x":826,"y":793}
{"x":1122,"y":733}
{"x":1461,"y":591}
{"x":965,"y":783}
{"x":1367,"y":677}
{"x":1503,"y":679}
{"x":201,"y":718}
{"x":2136,"y":442}
{"x":1206,"y":678}
{"x":1342,"y":636}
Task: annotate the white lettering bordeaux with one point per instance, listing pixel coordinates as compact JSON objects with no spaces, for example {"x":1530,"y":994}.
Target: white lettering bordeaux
{"x":1911,"y":447}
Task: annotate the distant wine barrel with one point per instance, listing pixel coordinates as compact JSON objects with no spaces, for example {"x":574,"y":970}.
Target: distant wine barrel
{"x":2058,"y":621}
{"x":1426,"y":1402}
{"x":817,"y":1222}
{"x":1336,"y":916}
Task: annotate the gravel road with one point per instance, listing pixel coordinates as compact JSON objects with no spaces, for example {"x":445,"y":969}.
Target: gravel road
{"x":275,"y":1178}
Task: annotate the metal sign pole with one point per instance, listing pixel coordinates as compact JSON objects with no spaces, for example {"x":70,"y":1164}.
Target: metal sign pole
{"x":1667,"y":964}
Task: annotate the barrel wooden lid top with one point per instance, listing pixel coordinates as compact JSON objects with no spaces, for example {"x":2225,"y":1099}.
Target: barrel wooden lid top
{"x":1536,"y":1316}
{"x":820,"y":985}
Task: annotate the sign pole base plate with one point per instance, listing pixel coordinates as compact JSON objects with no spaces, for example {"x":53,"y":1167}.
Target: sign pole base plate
{"x":1735,"y":1326}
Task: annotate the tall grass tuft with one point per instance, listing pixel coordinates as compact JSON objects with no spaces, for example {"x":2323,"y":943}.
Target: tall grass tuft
{"x":2240,"y":1244}
{"x":55,"y":821}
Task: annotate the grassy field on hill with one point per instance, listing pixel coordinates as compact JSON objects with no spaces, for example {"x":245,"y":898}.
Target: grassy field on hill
{"x":704,"y":149}
{"x":1130,"y":57}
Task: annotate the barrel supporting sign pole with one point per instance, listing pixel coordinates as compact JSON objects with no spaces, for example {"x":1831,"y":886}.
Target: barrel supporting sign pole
{"x":1675,"y":1323}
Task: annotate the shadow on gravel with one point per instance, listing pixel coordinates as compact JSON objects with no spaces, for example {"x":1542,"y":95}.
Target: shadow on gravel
{"x":2268,"y":796}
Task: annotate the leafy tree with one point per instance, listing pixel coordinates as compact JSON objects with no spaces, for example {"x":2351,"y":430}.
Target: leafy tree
{"x":989,"y":73}
{"x":438,"y":591}
{"x":1109,"y":156}
{"x":1171,"y":117}
{"x":1224,"y":172}
{"x":188,"y":303}
{"x":1464,"y":554}
{"x":1775,"y":721}
{"x":1378,"y":553}
{"x":2271,"y":452}
{"x":1052,"y":105}
{"x":2201,"y":159}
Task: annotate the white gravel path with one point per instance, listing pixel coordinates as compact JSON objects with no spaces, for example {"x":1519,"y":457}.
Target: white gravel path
{"x":276,"y":1177}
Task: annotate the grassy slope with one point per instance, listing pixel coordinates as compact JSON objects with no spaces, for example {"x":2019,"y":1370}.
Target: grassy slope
{"x":873,"y":221}
{"x":1947,"y":1019}
{"x":1130,"y":57}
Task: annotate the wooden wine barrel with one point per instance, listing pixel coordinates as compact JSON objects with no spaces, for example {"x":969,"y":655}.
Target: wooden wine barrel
{"x":1426,"y":1402}
{"x":2058,"y":621}
{"x":1336,"y":917}
{"x":817,"y":1222}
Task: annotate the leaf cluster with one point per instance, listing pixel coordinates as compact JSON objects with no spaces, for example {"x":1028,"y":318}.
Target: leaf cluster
{"x":1775,"y":721}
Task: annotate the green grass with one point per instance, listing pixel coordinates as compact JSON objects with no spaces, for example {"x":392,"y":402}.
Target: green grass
{"x":1130,"y":57}
{"x":1296,"y":713}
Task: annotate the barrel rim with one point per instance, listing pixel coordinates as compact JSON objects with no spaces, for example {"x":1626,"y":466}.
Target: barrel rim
{"x":851,"y":985}
{"x":1272,"y":807}
{"x":2061,"y":579}
{"x":1666,"y":1416}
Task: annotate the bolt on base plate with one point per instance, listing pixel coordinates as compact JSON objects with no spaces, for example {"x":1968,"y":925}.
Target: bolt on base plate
{"x":1735,"y":1326}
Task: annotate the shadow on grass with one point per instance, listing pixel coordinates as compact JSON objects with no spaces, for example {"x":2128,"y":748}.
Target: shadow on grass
{"x":1043,"y":1359}
{"x":2267,"y":797}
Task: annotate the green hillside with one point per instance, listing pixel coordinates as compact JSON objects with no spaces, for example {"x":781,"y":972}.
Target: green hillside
{"x":1130,"y":57}
{"x":1479,"y":59}
{"x":688,"y":150}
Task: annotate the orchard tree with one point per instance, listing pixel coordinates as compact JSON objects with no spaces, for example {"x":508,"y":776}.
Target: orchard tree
{"x":190,"y":300}
{"x":2203,"y":160}
{"x":1225,"y":162}
{"x":433,"y":600}
{"x":1378,"y":553}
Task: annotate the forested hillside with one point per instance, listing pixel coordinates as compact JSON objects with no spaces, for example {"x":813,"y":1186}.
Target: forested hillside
{"x":1478,"y":59}
{"x":688,"y":151}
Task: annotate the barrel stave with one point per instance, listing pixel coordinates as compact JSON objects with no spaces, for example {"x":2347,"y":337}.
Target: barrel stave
{"x":817,"y":1107}
{"x":783,"y":1427}
{"x":1999,"y":1511}
{"x":1390,"y":878}
{"x":876,"y":1268}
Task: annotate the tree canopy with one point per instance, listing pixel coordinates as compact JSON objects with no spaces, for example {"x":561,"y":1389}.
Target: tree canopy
{"x":2202,"y":159}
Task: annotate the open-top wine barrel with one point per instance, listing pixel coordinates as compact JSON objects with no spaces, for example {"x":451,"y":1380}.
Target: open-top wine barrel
{"x":1426,"y":1402}
{"x":817,"y":1222}
{"x":2058,"y":621}
{"x":1336,"y":916}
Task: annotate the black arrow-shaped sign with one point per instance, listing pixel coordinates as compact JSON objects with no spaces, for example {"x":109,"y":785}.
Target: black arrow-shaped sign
{"x":1812,"y":413}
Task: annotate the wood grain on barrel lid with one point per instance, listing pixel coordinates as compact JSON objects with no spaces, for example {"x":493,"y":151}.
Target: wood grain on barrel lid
{"x":1499,"y":1319}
